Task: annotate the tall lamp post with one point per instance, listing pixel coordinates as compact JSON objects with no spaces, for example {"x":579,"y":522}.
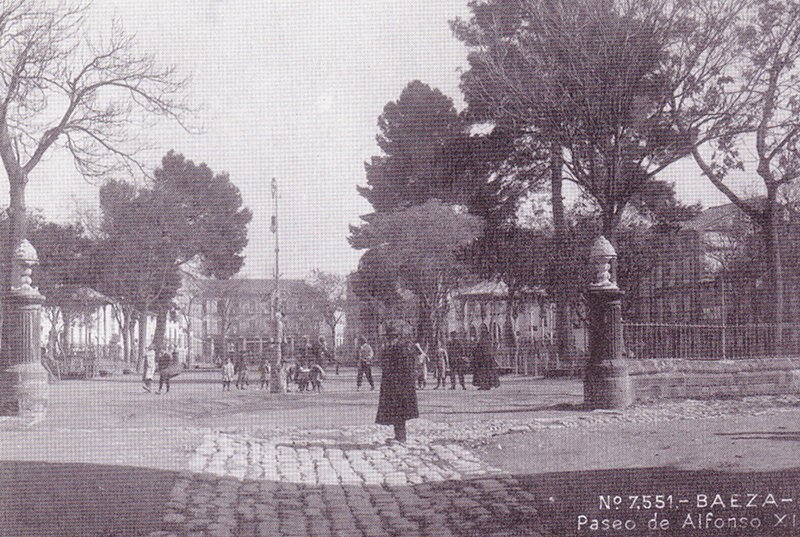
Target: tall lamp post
{"x":277,"y":381}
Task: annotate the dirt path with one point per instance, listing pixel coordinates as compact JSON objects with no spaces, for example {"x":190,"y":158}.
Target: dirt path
{"x":571,"y":469}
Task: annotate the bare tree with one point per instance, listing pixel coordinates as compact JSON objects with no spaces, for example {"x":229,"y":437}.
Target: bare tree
{"x":333,"y":287}
{"x":589,"y":85}
{"x":755,"y":110}
{"x":60,"y":90}
{"x":227,"y":298}
{"x":189,"y":294}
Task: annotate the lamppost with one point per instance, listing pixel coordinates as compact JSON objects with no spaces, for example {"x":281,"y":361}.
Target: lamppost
{"x":607,"y":383}
{"x":277,"y":381}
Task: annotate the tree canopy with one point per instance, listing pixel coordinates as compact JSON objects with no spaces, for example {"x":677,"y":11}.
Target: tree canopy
{"x":61,"y":89}
{"x":585,"y":76}
{"x":150,"y":232}
{"x":419,"y":248}
{"x":428,"y":153}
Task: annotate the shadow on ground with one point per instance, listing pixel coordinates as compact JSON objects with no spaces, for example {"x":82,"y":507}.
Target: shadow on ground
{"x":792,"y":436}
{"x":44,"y":499}
{"x":565,"y":407}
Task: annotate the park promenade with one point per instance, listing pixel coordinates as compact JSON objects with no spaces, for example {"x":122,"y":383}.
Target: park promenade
{"x":522,"y":460}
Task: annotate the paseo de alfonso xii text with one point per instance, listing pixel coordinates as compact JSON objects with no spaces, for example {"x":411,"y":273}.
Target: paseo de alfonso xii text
{"x":702,"y":511}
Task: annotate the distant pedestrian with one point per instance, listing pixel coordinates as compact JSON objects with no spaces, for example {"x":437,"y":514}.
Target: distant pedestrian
{"x":422,"y":367}
{"x":240,"y":368}
{"x":291,"y":372}
{"x":264,"y":371}
{"x":441,"y":365}
{"x":149,"y":371}
{"x":227,"y":375}
{"x":365,"y":356}
{"x":319,"y":351}
{"x":397,"y":402}
{"x":484,"y":368}
{"x":458,"y":361}
{"x":306,"y":352}
{"x":164,"y":374}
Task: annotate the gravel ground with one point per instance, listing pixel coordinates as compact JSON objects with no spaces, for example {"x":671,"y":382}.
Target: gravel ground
{"x":523,"y":460}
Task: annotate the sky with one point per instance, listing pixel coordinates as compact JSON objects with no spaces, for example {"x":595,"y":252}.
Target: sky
{"x":290,"y":90}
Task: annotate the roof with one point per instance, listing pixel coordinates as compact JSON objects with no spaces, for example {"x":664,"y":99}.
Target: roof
{"x":253,"y":287}
{"x":492,"y":289}
{"x":720,"y":218}
{"x":77,"y":296}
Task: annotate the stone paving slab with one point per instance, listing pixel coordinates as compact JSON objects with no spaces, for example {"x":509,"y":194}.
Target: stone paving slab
{"x":242,"y":485}
{"x":351,"y":482}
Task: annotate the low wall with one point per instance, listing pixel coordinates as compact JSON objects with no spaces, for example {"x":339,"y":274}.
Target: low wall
{"x":697,"y":379}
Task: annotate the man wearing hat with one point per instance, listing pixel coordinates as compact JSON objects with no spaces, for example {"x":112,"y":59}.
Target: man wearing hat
{"x":397,"y":401}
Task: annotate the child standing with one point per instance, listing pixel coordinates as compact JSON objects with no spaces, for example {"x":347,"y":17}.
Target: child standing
{"x":422,"y":367}
{"x":442,"y":365}
{"x":149,"y":371}
{"x":264,"y":371}
{"x":227,"y":375}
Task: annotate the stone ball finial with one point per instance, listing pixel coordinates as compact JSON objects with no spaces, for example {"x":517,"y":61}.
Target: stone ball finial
{"x":25,"y":254}
{"x":601,"y":256}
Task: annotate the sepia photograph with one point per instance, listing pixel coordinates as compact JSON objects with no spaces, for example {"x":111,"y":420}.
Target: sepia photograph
{"x":381,"y":268}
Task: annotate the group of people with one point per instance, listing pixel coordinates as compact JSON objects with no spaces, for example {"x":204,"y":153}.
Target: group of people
{"x":405,"y":367}
{"x":317,"y":353}
{"x":311,"y":356}
{"x":404,"y":370}
{"x":453,"y":360}
{"x":238,"y":370}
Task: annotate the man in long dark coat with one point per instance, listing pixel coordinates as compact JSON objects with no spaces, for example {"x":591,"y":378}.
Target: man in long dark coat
{"x":484,"y":368}
{"x":397,"y":401}
{"x":164,"y":361}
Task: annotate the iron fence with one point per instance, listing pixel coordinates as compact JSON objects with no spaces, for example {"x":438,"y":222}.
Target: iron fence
{"x":710,"y":342}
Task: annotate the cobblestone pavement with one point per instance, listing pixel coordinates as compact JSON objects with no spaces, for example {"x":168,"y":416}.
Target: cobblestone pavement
{"x":351,"y":482}
{"x":241,"y":485}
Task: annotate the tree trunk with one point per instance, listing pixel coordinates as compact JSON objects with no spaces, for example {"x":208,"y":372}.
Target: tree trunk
{"x":67,"y":316}
{"x":16,"y":234}
{"x":559,"y":232}
{"x":142,"y":340}
{"x":333,"y":340}
{"x":222,"y":309}
{"x":161,"y":329}
{"x":424,"y":324}
{"x":772,"y":245}
{"x":16,"y":219}
{"x":126,"y":343}
{"x":52,"y":337}
{"x":368,"y":319}
{"x":132,"y":325}
{"x":189,"y":338}
{"x":510,"y":335}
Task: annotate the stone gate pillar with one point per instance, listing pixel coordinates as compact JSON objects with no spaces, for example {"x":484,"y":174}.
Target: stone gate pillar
{"x":606,"y":383}
{"x":24,"y":384}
